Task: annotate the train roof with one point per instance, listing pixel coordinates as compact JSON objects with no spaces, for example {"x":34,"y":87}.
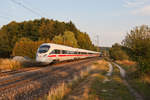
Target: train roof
{"x":52,"y":45}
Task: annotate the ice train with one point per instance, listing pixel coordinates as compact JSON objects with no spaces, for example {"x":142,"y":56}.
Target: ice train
{"x":49,"y":52}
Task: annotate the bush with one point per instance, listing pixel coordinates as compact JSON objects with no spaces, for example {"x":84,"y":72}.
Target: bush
{"x":144,"y":65}
{"x":138,"y":41}
{"x":27,"y":47}
{"x":8,"y":64}
{"x":117,"y":53}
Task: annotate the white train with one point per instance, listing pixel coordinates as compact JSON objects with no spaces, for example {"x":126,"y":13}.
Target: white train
{"x":49,"y":52}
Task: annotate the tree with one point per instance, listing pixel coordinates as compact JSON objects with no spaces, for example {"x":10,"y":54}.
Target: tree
{"x":58,"y":39}
{"x":27,"y":47}
{"x":23,"y":48}
{"x":69,"y":39}
{"x":84,"y":41}
{"x":46,"y":30}
{"x":41,"y":29}
{"x":138,"y":40}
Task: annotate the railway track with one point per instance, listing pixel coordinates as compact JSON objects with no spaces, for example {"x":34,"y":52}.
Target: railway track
{"x":7,"y":73}
{"x":33,"y":83}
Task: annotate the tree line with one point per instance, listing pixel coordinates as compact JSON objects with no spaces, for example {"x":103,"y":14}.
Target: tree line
{"x":16,"y":38}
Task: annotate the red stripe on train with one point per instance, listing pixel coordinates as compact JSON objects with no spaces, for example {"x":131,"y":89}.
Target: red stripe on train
{"x":51,"y":55}
{"x":69,"y":55}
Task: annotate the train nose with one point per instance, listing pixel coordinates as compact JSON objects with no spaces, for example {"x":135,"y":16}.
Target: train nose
{"x":43,"y":58}
{"x":39,"y":58}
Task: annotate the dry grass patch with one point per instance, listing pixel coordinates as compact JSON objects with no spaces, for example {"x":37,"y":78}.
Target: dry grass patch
{"x":98,"y":76}
{"x":117,"y":79}
{"x":58,"y":93}
{"x":146,"y":78}
{"x":9,"y":64}
{"x":100,"y":65}
{"x":63,"y":89}
{"x":126,"y":62}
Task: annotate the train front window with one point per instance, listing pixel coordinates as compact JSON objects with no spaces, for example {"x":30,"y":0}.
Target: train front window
{"x":44,"y":48}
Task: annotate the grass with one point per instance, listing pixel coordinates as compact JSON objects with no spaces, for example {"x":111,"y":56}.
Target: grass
{"x":100,"y":66}
{"x":97,"y":86}
{"x":140,"y":83}
{"x":8,"y":64}
{"x":57,"y":93}
{"x":63,"y":89}
{"x":126,"y":62}
{"x":110,"y":88}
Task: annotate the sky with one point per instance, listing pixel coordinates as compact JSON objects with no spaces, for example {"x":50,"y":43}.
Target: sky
{"x":108,"y":20}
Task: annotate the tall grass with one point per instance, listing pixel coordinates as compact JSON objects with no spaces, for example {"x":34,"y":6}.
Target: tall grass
{"x":59,"y":92}
{"x":126,"y":62}
{"x":9,"y":64}
{"x":63,"y":89}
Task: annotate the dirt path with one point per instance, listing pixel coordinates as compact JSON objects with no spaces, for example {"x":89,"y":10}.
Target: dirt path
{"x":123,"y":75}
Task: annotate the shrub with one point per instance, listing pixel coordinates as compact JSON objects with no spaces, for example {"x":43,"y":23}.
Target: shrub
{"x":27,"y":47}
{"x":8,"y":64}
{"x":138,"y":40}
{"x":117,"y":53}
{"x":144,"y":65}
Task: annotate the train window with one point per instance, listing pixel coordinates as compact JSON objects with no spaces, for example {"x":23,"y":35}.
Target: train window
{"x":82,"y":52}
{"x":53,"y":52}
{"x":75,"y":52}
{"x":71,"y":52}
{"x":64,"y":52}
{"x":43,"y":48}
{"x":57,"y":51}
{"x":68,"y":52}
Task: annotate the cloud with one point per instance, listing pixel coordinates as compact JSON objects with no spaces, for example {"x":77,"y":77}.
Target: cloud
{"x":144,"y":11}
{"x":135,"y":3}
{"x":138,"y":7}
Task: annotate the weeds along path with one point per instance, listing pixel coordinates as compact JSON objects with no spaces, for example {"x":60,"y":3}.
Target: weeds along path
{"x":123,"y":75}
{"x":35,"y":83}
{"x":103,"y":83}
{"x":82,"y":89}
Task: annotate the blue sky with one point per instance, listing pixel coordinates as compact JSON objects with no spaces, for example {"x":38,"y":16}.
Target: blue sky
{"x":110,"y":19}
